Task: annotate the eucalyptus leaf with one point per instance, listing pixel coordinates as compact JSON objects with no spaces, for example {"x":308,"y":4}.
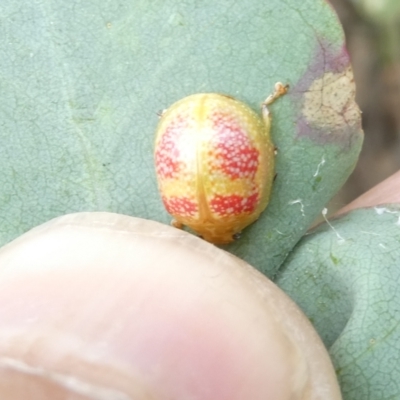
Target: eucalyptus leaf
{"x":82,"y":84}
{"x":345,"y":276}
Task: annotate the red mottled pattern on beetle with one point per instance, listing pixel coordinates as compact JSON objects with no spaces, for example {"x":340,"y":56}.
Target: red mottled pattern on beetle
{"x":233,"y":204}
{"x":167,"y":154}
{"x":233,"y":151}
{"x":182,"y":206}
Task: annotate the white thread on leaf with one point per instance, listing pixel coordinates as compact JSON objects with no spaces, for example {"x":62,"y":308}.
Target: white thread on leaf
{"x":370,"y":233}
{"x":340,"y":238}
{"x":319,"y":166}
{"x":298,"y":201}
{"x":383,"y":210}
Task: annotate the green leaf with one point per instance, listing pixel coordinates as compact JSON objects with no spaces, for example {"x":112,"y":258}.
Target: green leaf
{"x":82,"y":83}
{"x":345,"y":276}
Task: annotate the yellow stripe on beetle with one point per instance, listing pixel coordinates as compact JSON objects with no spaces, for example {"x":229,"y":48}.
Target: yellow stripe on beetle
{"x":215,"y":163}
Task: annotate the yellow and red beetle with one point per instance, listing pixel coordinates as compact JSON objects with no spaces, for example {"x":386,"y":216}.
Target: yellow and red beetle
{"x":215,"y":163}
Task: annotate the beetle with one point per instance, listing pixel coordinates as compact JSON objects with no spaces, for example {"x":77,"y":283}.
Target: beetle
{"x":214,"y":161}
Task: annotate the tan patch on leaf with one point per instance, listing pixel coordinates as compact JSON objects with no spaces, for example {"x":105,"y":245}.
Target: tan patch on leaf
{"x":330,"y":102}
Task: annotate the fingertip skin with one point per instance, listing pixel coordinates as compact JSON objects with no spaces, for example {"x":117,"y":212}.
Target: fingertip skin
{"x":106,"y":306}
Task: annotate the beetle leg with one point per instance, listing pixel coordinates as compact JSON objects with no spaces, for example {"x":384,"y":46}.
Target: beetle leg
{"x":177,"y":224}
{"x":280,"y":90}
{"x":237,"y":236}
{"x":161,"y":113}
